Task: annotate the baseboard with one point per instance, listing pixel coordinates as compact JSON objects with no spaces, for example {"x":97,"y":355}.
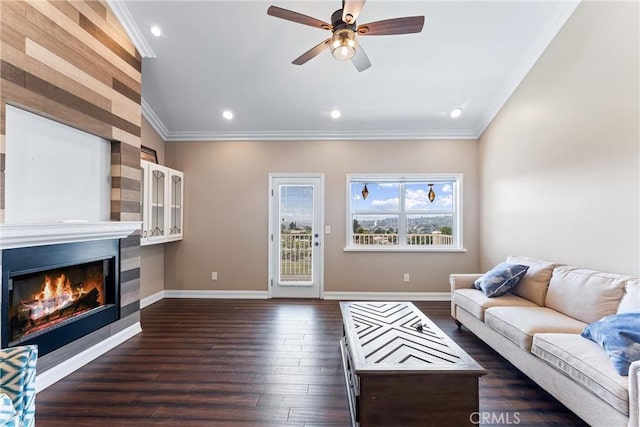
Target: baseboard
{"x":388,"y":296}
{"x":74,"y":363}
{"x":217,"y":294}
{"x":342,"y":296}
{"x":151,"y":299}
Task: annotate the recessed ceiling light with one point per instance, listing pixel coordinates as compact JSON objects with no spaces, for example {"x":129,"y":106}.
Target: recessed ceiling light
{"x":156,"y":31}
{"x":336,"y":114}
{"x":455,"y":113}
{"x":227,"y":114}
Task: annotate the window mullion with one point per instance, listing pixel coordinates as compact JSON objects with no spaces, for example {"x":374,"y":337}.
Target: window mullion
{"x":402,"y":218}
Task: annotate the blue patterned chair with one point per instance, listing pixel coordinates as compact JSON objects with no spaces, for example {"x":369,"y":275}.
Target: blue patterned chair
{"x":18,"y":386}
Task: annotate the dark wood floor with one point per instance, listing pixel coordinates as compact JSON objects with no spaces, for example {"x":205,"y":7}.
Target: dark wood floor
{"x":255,"y":363}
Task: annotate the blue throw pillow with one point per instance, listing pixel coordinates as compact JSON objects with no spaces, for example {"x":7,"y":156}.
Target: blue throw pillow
{"x":619,"y":334}
{"x":500,"y":279}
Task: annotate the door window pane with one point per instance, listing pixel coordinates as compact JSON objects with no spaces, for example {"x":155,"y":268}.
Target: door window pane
{"x":296,"y":227}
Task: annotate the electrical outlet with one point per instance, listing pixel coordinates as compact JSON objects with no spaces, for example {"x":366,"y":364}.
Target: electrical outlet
{"x":214,"y":275}
{"x":406,"y":277}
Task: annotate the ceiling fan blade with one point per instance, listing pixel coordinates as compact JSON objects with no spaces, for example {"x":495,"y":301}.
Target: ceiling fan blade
{"x":312,"y":53}
{"x":299,"y":18}
{"x":407,"y":25}
{"x":351,"y":10}
{"x":360,"y":60}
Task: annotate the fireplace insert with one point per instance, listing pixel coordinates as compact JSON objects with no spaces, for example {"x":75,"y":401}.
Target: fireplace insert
{"x":55,"y":294}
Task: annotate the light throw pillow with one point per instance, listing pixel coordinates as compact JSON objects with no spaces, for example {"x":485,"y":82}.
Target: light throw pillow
{"x":7,"y":411}
{"x":630,"y":302}
{"x":619,"y":335}
{"x":533,"y":285}
{"x":500,"y":279}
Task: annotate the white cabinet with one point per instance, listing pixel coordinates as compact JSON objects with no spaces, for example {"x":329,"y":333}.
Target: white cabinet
{"x":162,"y":203}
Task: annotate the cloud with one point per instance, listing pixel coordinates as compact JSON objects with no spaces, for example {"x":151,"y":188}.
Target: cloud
{"x":444,"y":201}
{"x":393,"y":203}
{"x":357,"y":197}
{"x":412,"y":204}
{"x":415,"y":194}
{"x":415,"y":199}
{"x":447,"y":188}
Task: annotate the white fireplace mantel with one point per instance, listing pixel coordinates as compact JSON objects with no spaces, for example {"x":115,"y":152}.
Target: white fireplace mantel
{"x":24,"y":235}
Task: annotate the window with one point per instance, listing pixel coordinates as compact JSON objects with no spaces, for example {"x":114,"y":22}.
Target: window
{"x":415,"y":212}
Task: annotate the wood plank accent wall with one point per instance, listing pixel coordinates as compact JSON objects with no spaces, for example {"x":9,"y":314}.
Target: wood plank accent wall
{"x":71,"y":61}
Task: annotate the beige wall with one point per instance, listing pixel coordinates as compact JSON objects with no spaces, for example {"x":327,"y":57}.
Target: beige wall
{"x":560,"y":163}
{"x":226,"y":212}
{"x":152,"y":256}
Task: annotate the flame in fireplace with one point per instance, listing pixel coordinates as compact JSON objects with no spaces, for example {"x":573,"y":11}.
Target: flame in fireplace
{"x":57,"y":293}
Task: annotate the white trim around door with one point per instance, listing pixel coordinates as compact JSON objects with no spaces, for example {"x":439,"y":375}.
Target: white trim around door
{"x":296,"y":235}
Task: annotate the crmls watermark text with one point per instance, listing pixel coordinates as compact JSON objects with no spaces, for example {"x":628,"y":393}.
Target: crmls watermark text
{"x":495,"y":418}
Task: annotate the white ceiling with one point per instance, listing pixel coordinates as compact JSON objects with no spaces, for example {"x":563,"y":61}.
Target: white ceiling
{"x":217,"y":55}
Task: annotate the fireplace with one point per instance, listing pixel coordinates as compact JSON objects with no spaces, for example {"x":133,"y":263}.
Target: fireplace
{"x":55,"y":294}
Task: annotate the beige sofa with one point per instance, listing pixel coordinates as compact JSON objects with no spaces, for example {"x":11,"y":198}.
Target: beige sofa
{"x":537,"y":326}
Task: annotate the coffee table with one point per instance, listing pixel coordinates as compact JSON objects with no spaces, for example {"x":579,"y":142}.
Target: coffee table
{"x":402,"y":370}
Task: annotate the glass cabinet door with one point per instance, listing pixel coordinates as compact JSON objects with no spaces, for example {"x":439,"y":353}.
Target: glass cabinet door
{"x":157,"y":208}
{"x":176,"y":200}
{"x":144,"y":204}
{"x":162,"y":203}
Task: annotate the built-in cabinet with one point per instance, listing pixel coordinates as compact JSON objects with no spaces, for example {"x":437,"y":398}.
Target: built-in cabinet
{"x":162,"y":203}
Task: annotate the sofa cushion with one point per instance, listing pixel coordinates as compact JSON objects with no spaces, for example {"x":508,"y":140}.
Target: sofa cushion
{"x":500,"y":279}
{"x":476,"y":302}
{"x":585,"y":295}
{"x":619,"y":335}
{"x":586,"y":363}
{"x":630,"y":302}
{"x":533,"y":285}
{"x":520,"y":324}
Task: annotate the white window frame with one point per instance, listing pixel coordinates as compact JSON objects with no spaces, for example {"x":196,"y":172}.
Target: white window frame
{"x":402,"y":246}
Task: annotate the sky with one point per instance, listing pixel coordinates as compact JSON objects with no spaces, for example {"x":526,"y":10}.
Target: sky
{"x":385,"y":197}
{"x":296,"y":201}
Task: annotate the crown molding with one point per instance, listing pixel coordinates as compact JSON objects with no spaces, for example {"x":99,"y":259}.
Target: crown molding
{"x":154,"y":120}
{"x":216,"y":136}
{"x":564,"y":10}
{"x":319,"y":135}
{"x":120,"y":9}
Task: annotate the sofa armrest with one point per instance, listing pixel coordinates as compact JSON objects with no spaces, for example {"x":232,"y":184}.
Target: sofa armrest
{"x":18,"y":380}
{"x":634,"y":394}
{"x":462,"y":281}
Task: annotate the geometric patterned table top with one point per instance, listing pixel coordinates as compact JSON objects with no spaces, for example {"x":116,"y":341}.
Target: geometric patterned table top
{"x":396,"y":336}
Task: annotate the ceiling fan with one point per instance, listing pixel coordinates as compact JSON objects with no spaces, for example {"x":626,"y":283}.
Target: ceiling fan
{"x":344,"y":43}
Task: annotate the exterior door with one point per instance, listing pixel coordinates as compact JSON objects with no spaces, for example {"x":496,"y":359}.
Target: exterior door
{"x":295,"y":235}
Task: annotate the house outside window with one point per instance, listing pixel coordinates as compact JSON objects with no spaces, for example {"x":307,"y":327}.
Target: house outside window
{"x":396,"y":212}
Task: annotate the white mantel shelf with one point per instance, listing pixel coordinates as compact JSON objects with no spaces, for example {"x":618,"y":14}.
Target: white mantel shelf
{"x":24,"y":235}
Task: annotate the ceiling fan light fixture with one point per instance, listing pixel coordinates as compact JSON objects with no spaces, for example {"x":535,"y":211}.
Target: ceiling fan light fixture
{"x":343,"y":44}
